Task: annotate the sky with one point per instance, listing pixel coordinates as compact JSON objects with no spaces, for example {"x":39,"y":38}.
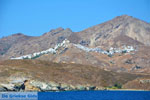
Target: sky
{"x":35,"y":17}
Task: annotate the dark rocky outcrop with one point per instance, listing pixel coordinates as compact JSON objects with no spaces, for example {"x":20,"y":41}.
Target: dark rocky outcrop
{"x":3,"y":89}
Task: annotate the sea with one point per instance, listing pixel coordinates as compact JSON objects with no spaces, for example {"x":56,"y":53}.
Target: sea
{"x":95,"y":95}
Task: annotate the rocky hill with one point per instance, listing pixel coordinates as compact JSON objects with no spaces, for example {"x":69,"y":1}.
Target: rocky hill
{"x":123,"y":59}
{"x":121,"y":44}
{"x":36,"y":44}
{"x":122,"y":30}
{"x":108,"y":55}
{"x":36,"y":75}
{"x":7,"y":43}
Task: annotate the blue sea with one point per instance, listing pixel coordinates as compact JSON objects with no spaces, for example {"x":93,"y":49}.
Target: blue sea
{"x":95,"y":95}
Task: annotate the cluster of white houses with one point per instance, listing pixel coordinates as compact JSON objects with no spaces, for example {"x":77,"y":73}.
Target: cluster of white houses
{"x":111,"y":51}
{"x":123,"y":49}
{"x":50,"y":50}
{"x":64,"y":44}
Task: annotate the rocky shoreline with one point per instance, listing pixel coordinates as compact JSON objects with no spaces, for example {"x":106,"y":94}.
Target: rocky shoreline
{"x":23,"y":85}
{"x":36,"y":75}
{"x":32,"y":85}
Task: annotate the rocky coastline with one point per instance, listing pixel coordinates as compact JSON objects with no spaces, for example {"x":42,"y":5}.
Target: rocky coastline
{"x":33,"y":85}
{"x":37,"y":86}
{"x":37,"y":75}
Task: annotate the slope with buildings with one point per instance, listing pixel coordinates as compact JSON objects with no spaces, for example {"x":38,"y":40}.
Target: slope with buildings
{"x":118,"y":46}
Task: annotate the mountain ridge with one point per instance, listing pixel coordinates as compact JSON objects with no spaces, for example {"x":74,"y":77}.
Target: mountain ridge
{"x":119,"y":25}
{"x":120,"y":31}
{"x":111,"y":55}
{"x":93,"y":36}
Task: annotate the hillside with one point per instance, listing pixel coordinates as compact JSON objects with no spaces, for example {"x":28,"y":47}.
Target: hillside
{"x":111,"y":55}
{"x":7,"y":43}
{"x":124,"y":59}
{"x":36,"y":44}
{"x":120,"y":45}
{"x":16,"y":72}
{"x":122,"y":30}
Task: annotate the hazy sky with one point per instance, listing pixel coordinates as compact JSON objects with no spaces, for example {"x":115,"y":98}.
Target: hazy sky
{"x":35,"y":17}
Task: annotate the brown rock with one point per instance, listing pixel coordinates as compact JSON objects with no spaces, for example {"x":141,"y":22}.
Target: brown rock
{"x":29,"y":87}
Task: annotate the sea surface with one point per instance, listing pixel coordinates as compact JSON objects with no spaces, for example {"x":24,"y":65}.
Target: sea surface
{"x":95,"y":95}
